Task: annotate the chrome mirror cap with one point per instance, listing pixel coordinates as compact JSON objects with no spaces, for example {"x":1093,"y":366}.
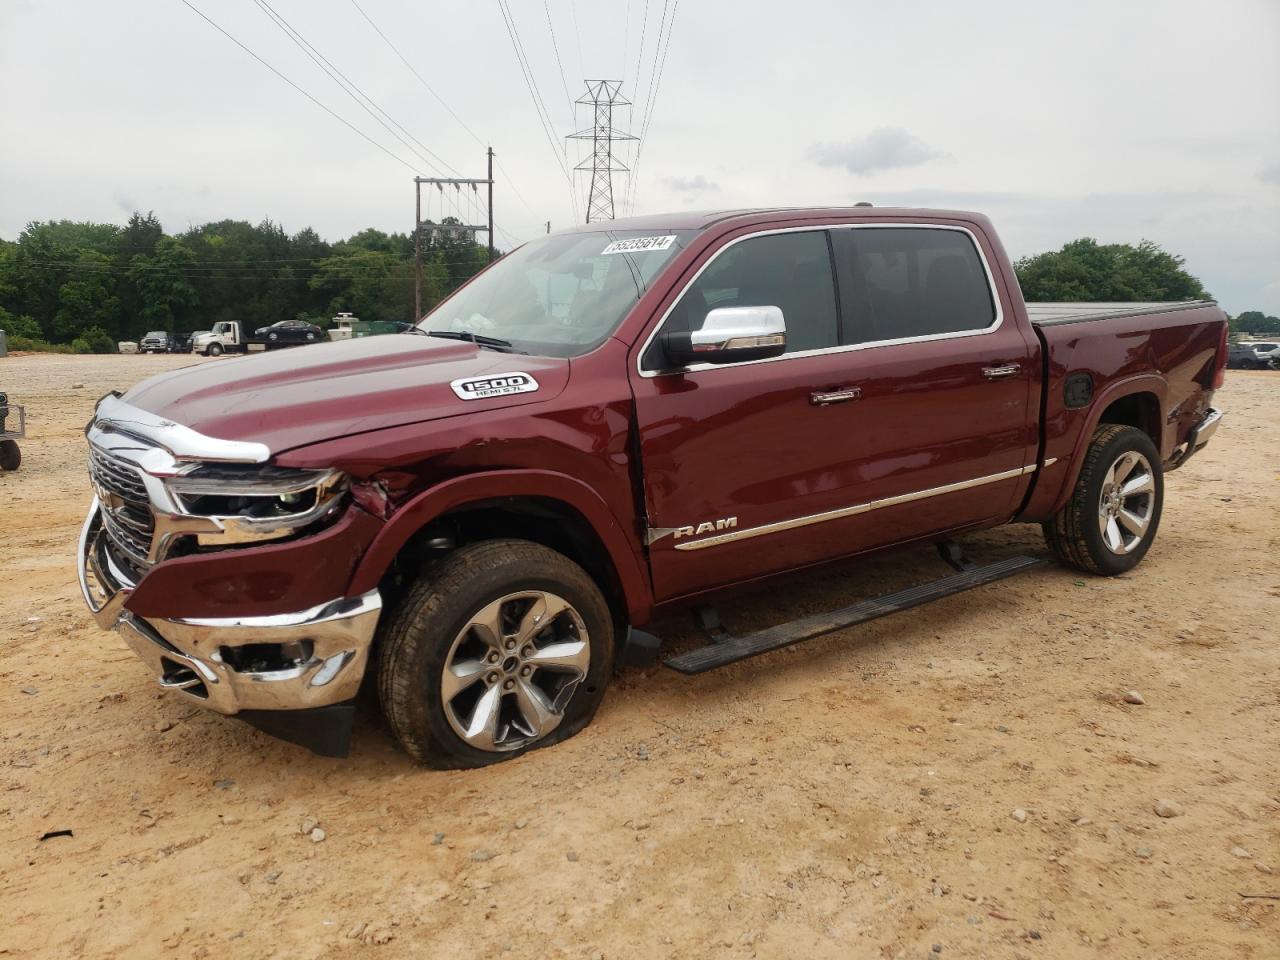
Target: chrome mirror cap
{"x":730,"y":335}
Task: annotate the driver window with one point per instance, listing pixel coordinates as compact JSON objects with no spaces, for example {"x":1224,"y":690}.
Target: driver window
{"x":791,"y":271}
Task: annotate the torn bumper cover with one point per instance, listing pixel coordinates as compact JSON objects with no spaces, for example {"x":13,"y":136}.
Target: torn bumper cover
{"x":291,"y":674}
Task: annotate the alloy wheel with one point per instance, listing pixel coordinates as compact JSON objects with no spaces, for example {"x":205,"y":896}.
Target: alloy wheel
{"x":513,"y":669}
{"x":1127,"y":502}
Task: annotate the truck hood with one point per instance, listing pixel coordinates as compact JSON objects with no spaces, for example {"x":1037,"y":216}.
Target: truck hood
{"x":292,"y":398}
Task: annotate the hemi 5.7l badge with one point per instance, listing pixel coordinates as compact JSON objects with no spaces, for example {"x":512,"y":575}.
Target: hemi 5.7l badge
{"x":499,"y":385}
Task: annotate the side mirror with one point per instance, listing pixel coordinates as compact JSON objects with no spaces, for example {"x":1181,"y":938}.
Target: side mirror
{"x":729,"y":335}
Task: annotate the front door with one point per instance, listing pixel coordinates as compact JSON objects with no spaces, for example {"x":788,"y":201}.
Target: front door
{"x":853,"y":439}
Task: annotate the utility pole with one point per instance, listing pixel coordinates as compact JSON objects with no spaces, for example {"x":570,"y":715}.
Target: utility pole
{"x":602,"y":96}
{"x":491,"y":204}
{"x":439,"y":229}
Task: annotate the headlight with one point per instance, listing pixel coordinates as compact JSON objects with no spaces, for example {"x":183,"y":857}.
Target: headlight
{"x":250,"y":503}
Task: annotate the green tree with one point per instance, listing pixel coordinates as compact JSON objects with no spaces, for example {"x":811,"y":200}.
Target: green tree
{"x":1255,"y":321}
{"x":86,"y":298}
{"x":162,"y":283}
{"x":1087,"y":270}
{"x":19,"y":325}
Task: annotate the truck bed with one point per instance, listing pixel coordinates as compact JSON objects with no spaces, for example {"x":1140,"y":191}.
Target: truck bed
{"x":1043,"y":314}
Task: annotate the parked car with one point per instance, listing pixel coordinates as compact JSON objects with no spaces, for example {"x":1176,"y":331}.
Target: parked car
{"x":291,"y":331}
{"x":1268,"y":350}
{"x":489,"y":514}
{"x":1248,"y":356}
{"x":157,"y":341}
{"x":180,"y":343}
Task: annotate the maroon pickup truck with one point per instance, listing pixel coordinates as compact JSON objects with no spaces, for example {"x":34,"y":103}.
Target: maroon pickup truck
{"x":609,"y":423}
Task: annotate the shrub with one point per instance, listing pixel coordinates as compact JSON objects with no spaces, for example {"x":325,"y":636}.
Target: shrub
{"x":81,"y":345}
{"x":36,"y":346}
{"x":97,"y":340}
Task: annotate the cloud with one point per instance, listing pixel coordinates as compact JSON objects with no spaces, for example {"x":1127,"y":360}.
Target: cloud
{"x":882,"y":149}
{"x":698,"y":184}
{"x":1271,"y":173}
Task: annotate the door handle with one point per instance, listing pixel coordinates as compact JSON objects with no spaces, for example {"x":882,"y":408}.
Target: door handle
{"x":1002,"y":372}
{"x":826,"y":399}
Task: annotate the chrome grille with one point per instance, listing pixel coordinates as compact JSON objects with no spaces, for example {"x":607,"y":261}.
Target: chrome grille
{"x":115,"y":476}
{"x":126,"y":508}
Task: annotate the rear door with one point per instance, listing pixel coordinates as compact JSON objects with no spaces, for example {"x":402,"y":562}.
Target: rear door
{"x":849,"y":441}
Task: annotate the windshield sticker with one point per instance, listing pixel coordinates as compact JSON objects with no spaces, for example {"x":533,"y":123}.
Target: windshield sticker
{"x":639,"y":245}
{"x":478,"y":388}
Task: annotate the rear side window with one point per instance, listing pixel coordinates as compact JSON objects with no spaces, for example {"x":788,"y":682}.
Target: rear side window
{"x":899,"y":282}
{"x":791,"y":271}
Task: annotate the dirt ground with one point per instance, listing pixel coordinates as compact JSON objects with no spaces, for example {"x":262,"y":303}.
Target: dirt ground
{"x":963,"y":780}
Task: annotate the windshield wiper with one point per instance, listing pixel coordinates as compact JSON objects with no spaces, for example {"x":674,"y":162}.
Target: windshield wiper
{"x":479,"y":339}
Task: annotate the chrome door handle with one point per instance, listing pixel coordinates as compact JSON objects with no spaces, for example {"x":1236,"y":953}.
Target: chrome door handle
{"x":1002,"y":372}
{"x":835,"y":396}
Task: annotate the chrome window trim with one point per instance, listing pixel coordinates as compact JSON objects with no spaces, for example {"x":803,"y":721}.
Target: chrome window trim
{"x":844,"y":348}
{"x":778,"y":526}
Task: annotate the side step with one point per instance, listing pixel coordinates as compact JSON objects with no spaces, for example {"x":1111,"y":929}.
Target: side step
{"x":732,"y":649}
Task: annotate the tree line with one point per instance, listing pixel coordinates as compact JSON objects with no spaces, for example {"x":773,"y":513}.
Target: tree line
{"x":85,"y":286}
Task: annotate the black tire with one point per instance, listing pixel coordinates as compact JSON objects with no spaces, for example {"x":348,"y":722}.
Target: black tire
{"x":422,"y":629}
{"x":311,"y":336}
{"x":273,"y":337}
{"x":1075,"y":535}
{"x":213,"y":350}
{"x":10,"y":455}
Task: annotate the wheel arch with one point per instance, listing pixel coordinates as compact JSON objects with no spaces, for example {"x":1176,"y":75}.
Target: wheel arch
{"x":545,"y":507}
{"x":1137,"y":402}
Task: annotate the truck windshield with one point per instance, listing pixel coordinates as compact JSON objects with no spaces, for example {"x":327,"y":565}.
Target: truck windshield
{"x":559,"y":296}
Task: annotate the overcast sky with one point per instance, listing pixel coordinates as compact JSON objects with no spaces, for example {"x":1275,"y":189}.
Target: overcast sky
{"x":1121,"y":119}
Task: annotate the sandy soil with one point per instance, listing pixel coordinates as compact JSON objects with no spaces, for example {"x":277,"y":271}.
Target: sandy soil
{"x":964,"y":779}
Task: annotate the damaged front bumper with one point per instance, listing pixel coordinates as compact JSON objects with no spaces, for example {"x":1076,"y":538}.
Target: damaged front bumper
{"x":307,"y":664}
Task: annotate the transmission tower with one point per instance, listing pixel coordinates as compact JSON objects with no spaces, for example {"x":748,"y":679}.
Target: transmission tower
{"x":602,"y":96}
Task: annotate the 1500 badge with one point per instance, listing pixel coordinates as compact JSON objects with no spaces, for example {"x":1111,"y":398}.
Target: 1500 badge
{"x":478,"y":388}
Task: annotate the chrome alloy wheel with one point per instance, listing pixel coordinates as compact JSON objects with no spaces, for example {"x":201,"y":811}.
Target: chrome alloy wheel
{"x":513,"y":669}
{"x":1127,"y":503}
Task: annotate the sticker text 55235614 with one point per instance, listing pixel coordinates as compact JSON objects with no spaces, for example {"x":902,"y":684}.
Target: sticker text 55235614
{"x":639,"y":245}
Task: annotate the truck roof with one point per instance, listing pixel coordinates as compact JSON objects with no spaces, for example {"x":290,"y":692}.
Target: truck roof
{"x":702,"y":219}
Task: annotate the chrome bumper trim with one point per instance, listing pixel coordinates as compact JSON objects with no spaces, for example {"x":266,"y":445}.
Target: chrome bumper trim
{"x":185,"y":654}
{"x":1200,"y":436}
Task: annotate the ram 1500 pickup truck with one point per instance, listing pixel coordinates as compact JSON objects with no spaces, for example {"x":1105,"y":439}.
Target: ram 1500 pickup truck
{"x":609,"y":423}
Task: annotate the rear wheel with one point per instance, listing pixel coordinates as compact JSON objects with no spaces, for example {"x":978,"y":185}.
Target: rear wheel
{"x":10,"y":455}
{"x":1111,"y":519}
{"x":502,"y":647}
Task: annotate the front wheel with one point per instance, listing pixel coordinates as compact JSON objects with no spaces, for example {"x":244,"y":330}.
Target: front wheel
{"x":1111,"y":519}
{"x":213,"y":350}
{"x":10,"y":455}
{"x":502,"y":647}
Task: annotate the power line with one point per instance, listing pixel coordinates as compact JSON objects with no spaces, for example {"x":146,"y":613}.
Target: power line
{"x":655,"y":89}
{"x":394,"y":49}
{"x":354,"y":90}
{"x":412,"y":70}
{"x":539,"y":106}
{"x":556,"y":47}
{"x":352,"y":127}
{"x":573,"y":10}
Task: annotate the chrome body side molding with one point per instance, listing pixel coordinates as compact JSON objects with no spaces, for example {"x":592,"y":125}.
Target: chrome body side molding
{"x":658,"y":533}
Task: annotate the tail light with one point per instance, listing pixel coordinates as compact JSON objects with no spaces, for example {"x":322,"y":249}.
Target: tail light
{"x":1220,"y":370}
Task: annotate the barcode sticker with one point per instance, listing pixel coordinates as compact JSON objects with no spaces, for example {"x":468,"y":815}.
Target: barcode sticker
{"x":639,"y":245}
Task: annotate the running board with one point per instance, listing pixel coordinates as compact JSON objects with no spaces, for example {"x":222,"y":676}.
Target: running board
{"x":731,"y":649}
